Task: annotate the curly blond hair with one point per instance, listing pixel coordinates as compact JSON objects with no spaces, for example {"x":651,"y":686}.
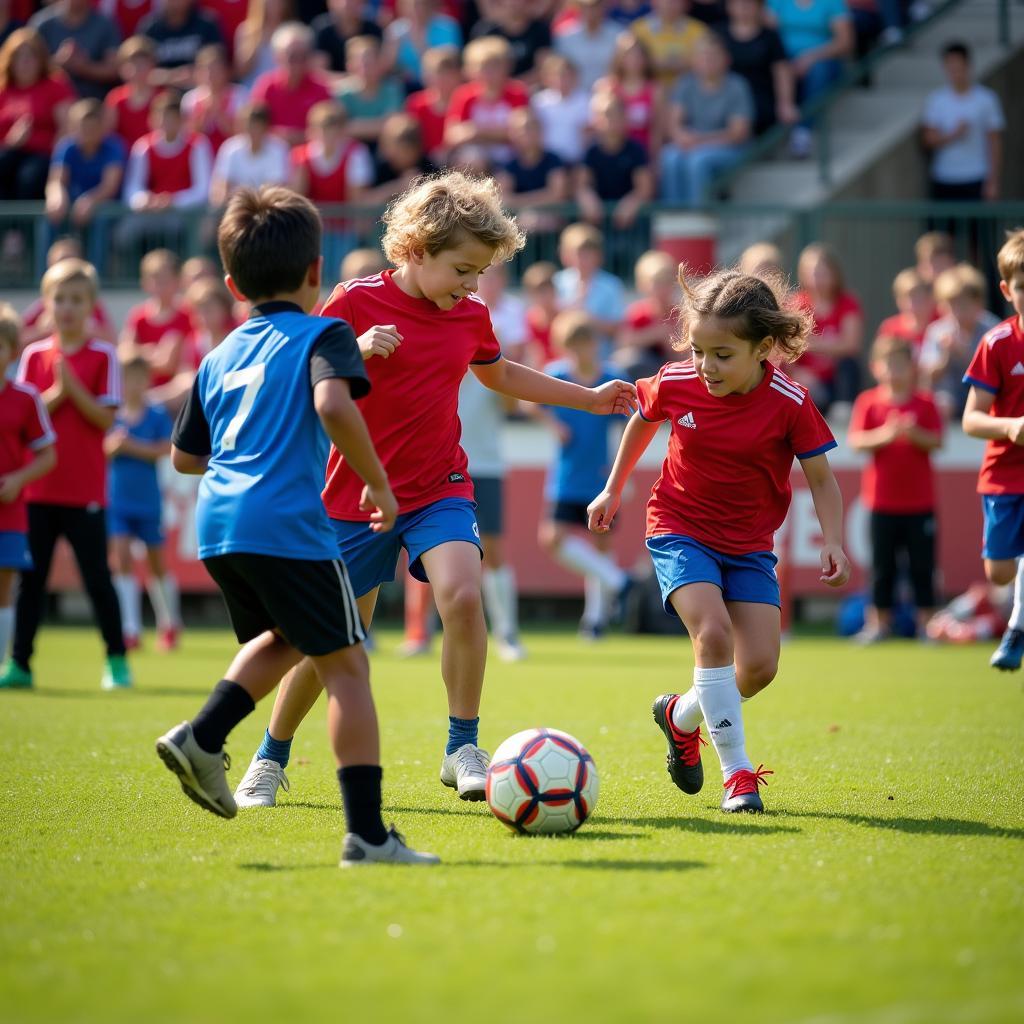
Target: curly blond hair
{"x":440,"y":211}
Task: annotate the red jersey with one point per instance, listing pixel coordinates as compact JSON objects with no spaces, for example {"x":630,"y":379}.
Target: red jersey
{"x":130,"y":122}
{"x":998,"y":368}
{"x":142,"y":322}
{"x":643,"y":313}
{"x":538,"y":331}
{"x":639,"y":111}
{"x":898,"y":478}
{"x":126,"y":14}
{"x":169,"y":173}
{"x":289,"y":107}
{"x":38,"y":102}
{"x":412,"y":410}
{"x":229,"y":14}
{"x":80,"y":479}
{"x":24,"y":427}
{"x":470,"y":104}
{"x":826,"y":325}
{"x":725,"y":479}
{"x":902,"y":326}
{"x":422,"y":106}
{"x":326,"y":182}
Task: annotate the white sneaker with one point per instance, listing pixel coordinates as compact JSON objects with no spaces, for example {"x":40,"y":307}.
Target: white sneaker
{"x":356,"y":852}
{"x":260,"y":783}
{"x":510,"y":650}
{"x":203,"y":776}
{"x":466,"y":770}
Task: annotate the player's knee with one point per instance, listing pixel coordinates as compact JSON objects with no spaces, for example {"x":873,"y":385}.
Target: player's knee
{"x":1001,"y":573}
{"x":459,"y":602}
{"x":712,"y":638}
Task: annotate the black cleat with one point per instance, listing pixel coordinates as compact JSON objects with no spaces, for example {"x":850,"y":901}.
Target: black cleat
{"x":741,"y":795}
{"x":683,"y":759}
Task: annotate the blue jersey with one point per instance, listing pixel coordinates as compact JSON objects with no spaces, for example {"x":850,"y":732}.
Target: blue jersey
{"x":251,"y":409}
{"x":581,"y":467}
{"x":132,"y":482}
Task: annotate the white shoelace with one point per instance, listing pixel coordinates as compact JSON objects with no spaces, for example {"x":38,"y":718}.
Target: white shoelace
{"x":266,"y":777}
{"x":472,"y":760}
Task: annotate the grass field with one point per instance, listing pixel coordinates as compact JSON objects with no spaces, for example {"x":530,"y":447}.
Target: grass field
{"x":886,"y":883}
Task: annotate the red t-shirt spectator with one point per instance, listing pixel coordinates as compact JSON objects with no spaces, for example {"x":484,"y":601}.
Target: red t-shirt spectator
{"x":289,"y":108}
{"x":639,"y":112}
{"x":898,"y":479}
{"x":229,"y":14}
{"x":142,"y":321}
{"x":538,"y":334}
{"x":126,"y":14}
{"x":38,"y":102}
{"x":81,"y":478}
{"x":819,"y":364}
{"x":131,"y":123}
{"x":470,"y":104}
{"x":25,"y":428}
{"x":422,"y":106}
{"x":902,"y":326}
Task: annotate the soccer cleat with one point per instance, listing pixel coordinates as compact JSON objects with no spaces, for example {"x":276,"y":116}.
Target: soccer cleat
{"x":510,"y":649}
{"x":1008,"y":654}
{"x":869,"y":636}
{"x":169,"y":639}
{"x":117,"y":675}
{"x":203,"y":776}
{"x":413,"y":648}
{"x":14,"y":677}
{"x":741,"y":793}
{"x":590,"y":633}
{"x":132,"y":642}
{"x":683,"y":759}
{"x":465,"y":770}
{"x":356,"y":852}
{"x":260,"y":783}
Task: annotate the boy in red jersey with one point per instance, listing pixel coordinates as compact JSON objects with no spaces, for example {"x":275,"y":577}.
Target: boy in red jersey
{"x":332,"y":167}
{"x":915,"y":301}
{"x":899,"y":427}
{"x":421,"y":327}
{"x":26,"y":453}
{"x":995,"y":412}
{"x":129,"y":103}
{"x":737,"y":422}
{"x":80,"y":383}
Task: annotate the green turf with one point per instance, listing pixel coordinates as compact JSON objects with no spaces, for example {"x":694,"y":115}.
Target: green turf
{"x":884,"y":885}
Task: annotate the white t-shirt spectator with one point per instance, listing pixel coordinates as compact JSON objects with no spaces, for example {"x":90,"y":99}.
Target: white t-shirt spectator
{"x":967,"y":159}
{"x":563,"y":123}
{"x":239,"y":166}
{"x":482,"y":414}
{"x":591,"y":53}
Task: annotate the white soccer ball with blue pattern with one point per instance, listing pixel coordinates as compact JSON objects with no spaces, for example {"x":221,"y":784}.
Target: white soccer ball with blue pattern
{"x":542,"y":782}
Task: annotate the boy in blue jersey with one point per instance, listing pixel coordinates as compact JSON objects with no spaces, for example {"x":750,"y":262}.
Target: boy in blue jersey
{"x":256,"y":426}
{"x":140,"y":438}
{"x":582,"y":461}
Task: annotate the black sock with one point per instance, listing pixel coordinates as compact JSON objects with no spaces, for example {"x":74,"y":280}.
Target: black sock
{"x":227,"y":706}
{"x":360,"y":793}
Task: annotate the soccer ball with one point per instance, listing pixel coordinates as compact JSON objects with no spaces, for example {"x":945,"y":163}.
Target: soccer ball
{"x":542,"y":781}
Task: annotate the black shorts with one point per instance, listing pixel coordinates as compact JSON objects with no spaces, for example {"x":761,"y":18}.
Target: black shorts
{"x":572,"y":513}
{"x":311,"y":604}
{"x":489,"y":495}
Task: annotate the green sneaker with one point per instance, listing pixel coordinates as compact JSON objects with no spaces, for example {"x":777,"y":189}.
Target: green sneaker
{"x":14,"y":677}
{"x":117,"y":675}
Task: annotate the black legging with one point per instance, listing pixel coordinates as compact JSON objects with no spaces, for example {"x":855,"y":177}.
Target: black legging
{"x":892,"y":534}
{"x":23,"y":174}
{"x":86,"y":532}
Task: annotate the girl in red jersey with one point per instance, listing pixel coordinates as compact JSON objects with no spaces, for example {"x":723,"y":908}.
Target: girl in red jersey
{"x":737,"y":422}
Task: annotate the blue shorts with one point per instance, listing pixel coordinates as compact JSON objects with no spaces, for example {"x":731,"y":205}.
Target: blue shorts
{"x":14,"y":552}
{"x":146,"y":528}
{"x":1004,"y":526}
{"x":680,"y":561}
{"x":371,"y":558}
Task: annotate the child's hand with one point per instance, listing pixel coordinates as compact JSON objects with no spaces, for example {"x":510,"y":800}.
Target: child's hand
{"x":383,"y":502}
{"x":10,"y":488}
{"x":835,"y":566}
{"x":114,"y":441}
{"x":381,"y":340}
{"x":1015,"y":432}
{"x":616,"y":398}
{"x":601,"y":512}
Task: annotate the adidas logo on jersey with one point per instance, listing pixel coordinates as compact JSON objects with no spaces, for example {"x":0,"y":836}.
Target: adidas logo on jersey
{"x":1018,"y":370}
{"x":687,"y":421}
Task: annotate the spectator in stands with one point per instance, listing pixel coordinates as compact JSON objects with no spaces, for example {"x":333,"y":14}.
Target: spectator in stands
{"x":670,"y":36}
{"x":963,"y":127}
{"x":563,"y":109}
{"x":179,"y":30}
{"x":343,"y":20}
{"x":400,"y":158}
{"x":212,"y":312}
{"x":442,"y":75}
{"x":709,"y":12}
{"x":129,"y":103}
{"x":830,"y":367}
{"x":625,"y":12}
{"x":87,"y":167}
{"x":645,"y":341}
{"x":212,"y":107}
{"x":199,"y":268}
{"x":541,"y":309}
{"x":876,"y":23}
{"x":254,"y":157}
{"x":762,"y":259}
{"x":333,"y":167}
{"x":293,"y":88}
{"x":756,"y":54}
{"x":83,"y":43}
{"x":127,"y":15}
{"x":527,"y":36}
{"x":615,"y":169}
{"x":9,"y":21}
{"x":934,"y":253}
{"x":368,"y":93}
{"x":533,"y":177}
{"x":711,"y":113}
{"x":254,"y":50}
{"x":419,"y":27}
{"x":951,"y":341}
{"x":480,"y":108}
{"x":34,"y":99}
{"x":818,"y":37}
{"x":633,"y":80}
{"x":590,"y":42}
{"x":229,"y":15}
{"x":915,"y":303}
{"x":584,"y":285}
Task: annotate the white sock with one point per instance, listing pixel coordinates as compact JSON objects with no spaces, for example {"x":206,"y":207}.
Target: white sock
{"x":130,"y":599}
{"x":583,"y":558}
{"x":6,"y":628}
{"x":501,"y":602}
{"x":720,"y":703}
{"x":1017,"y":615}
{"x":163,"y":596}
{"x":595,"y":602}
{"x":687,"y":715}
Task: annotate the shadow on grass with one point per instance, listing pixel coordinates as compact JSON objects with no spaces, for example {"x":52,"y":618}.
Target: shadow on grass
{"x":456,"y":811}
{"x":740,"y":825}
{"x":588,"y":865}
{"x":134,"y":691}
{"x":914,"y":826}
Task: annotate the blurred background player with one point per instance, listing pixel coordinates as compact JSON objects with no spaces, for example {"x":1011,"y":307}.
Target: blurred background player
{"x":899,"y":427}
{"x":646,"y":336}
{"x":141,"y":437}
{"x":915,"y":301}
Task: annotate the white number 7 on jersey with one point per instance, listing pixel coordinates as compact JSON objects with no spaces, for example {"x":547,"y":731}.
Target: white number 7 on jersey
{"x":251,"y":378}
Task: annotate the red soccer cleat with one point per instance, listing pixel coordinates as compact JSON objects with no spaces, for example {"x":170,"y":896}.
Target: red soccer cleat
{"x":169,"y":639}
{"x":683,"y":758}
{"x":741,"y":793}
{"x":131,"y":642}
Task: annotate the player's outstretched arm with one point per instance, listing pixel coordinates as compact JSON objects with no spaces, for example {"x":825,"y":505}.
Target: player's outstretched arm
{"x":828,"y":504}
{"x":346,"y":428}
{"x":635,"y":438}
{"x":979,"y":422}
{"x":529,"y":385}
